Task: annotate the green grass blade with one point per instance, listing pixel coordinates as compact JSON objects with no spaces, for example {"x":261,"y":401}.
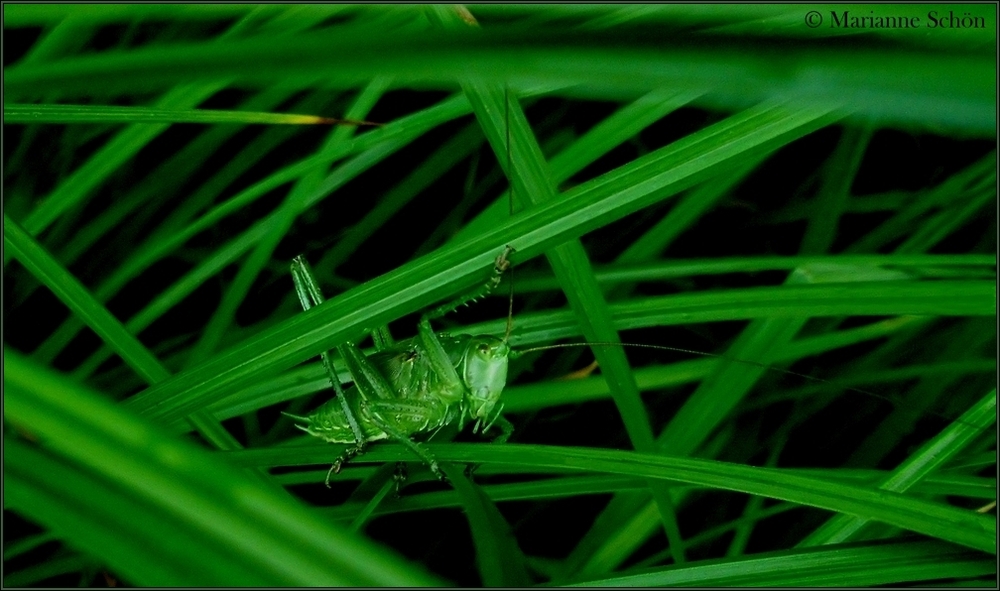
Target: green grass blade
{"x":568,"y":260}
{"x":858,"y":564}
{"x":76,"y":297}
{"x":167,"y":485}
{"x":112,"y":114}
{"x":419,"y":283}
{"x":896,"y":84}
{"x":80,"y":185}
{"x":500,"y":561}
{"x":928,"y":458}
{"x":948,"y":523}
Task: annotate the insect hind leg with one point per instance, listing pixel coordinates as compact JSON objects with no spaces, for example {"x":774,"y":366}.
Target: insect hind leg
{"x":354,"y":450}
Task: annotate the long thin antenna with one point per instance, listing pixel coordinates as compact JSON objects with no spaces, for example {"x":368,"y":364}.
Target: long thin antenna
{"x":510,"y":208}
{"x":890,"y":400}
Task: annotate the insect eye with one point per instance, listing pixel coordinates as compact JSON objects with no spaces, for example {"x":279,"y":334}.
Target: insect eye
{"x":484,"y":349}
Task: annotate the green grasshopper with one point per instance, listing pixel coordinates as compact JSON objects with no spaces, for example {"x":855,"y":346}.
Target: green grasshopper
{"x":416,"y":386}
{"x":420,"y":385}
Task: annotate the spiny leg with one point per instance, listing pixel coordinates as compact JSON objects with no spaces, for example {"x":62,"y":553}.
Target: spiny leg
{"x":435,"y":352}
{"x":309,"y":296}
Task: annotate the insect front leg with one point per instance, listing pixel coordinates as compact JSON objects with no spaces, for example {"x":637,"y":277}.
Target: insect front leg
{"x":395,"y":418}
{"x":453,"y":389}
{"x":505,"y":426}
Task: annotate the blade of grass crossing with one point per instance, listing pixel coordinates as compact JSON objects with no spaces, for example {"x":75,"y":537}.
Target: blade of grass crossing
{"x":967,"y":337}
{"x":444,"y":158}
{"x":688,"y":210}
{"x":115,"y":153}
{"x":569,"y":261}
{"x":831,"y":201}
{"x":495,"y":109}
{"x":72,"y":293}
{"x":177,"y":227}
{"x":902,"y":223}
{"x":169,"y":174}
{"x":175,"y":293}
{"x":729,"y":382}
{"x":621,"y":126}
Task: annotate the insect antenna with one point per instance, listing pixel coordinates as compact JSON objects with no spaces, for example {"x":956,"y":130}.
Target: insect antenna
{"x":510,"y":209}
{"x":514,"y":354}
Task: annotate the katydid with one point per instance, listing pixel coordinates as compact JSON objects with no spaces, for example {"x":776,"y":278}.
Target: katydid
{"x":423,"y":384}
{"x":416,"y":386}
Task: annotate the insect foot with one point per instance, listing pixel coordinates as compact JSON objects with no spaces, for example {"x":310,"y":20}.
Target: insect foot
{"x":502,"y":264}
{"x":343,"y":459}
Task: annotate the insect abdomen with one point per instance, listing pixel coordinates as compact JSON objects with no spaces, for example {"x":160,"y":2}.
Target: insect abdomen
{"x":328,"y":422}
